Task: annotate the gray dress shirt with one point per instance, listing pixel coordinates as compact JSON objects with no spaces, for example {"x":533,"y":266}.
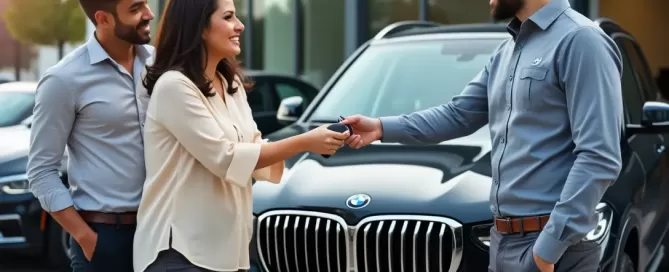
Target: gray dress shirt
{"x":96,"y":108}
{"x":553,"y":100}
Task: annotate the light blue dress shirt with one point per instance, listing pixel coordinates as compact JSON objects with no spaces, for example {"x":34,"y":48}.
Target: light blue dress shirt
{"x":553,"y":100}
{"x":92,"y":105}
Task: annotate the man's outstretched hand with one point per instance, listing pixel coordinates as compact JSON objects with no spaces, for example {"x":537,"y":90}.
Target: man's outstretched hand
{"x":365,"y":130}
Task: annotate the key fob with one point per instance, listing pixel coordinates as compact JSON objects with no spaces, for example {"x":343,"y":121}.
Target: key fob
{"x":341,"y":128}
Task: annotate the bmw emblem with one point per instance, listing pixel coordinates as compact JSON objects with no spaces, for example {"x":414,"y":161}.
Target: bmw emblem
{"x":358,"y":201}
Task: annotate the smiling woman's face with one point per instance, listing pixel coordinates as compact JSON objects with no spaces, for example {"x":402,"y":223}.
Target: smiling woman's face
{"x":222,"y":35}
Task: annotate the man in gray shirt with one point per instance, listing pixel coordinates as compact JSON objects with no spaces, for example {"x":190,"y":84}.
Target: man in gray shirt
{"x":91,"y":101}
{"x":552,"y":98}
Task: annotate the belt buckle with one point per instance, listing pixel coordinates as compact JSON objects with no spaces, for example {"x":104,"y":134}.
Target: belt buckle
{"x":507,"y":222}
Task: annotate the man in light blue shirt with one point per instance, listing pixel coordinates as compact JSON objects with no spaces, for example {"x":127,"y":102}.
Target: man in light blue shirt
{"x":92,"y":103}
{"x":552,"y":98}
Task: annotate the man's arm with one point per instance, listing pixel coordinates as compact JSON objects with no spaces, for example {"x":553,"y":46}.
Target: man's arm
{"x":591,"y":73}
{"x":463,"y":115}
{"x":53,"y":116}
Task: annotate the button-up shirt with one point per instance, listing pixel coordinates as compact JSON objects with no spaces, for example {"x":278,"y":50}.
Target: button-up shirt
{"x":552,"y":98}
{"x":201,"y":153}
{"x":93,"y":106}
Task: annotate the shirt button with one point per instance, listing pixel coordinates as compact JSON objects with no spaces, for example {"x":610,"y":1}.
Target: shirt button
{"x":494,"y":181}
{"x":510,"y":77}
{"x":141,"y":125}
{"x":502,"y":140}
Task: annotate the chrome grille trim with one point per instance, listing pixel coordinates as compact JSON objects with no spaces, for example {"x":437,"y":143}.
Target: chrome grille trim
{"x":421,"y":230}
{"x":307,"y":235}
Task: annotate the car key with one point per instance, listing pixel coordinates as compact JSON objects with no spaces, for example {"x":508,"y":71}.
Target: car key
{"x":341,"y":128}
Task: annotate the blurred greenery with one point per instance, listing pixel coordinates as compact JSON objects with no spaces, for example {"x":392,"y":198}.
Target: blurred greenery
{"x":14,"y":54}
{"x":46,"y":22}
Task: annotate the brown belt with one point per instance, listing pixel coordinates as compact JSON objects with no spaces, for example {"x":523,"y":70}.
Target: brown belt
{"x":129,"y":218}
{"x":521,"y":224}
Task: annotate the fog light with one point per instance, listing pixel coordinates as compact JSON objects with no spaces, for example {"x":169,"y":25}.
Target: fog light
{"x":603,"y":227}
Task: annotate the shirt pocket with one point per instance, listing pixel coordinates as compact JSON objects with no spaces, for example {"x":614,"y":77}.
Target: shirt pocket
{"x":532,"y":82}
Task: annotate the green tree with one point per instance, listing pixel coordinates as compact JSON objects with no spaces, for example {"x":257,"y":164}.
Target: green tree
{"x":46,"y":22}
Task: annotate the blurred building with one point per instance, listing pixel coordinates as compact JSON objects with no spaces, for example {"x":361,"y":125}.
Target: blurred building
{"x":311,"y":38}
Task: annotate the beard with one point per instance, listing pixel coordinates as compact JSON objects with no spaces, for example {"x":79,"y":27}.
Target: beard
{"x":506,"y":9}
{"x":132,"y":34}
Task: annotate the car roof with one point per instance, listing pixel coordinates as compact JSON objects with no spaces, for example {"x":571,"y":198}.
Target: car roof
{"x":425,"y":30}
{"x":421,"y":31}
{"x":261,"y":73}
{"x":490,"y":28}
{"x":19,"y":86}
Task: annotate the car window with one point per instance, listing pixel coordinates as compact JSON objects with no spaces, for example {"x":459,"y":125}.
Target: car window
{"x":16,"y":106}
{"x":284,"y":90}
{"x":399,"y":78}
{"x":632,"y":99}
{"x":260,"y":97}
{"x":641,"y":70}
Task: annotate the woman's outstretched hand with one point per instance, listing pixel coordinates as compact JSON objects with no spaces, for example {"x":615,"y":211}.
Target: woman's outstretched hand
{"x":323,"y":141}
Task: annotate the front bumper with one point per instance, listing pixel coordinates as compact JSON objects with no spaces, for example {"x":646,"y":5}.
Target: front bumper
{"x":474,"y":237}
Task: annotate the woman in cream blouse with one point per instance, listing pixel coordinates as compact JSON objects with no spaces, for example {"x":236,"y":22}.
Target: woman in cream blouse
{"x":202,"y":146}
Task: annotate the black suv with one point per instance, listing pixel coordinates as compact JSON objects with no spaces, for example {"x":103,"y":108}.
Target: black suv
{"x":393,"y":207}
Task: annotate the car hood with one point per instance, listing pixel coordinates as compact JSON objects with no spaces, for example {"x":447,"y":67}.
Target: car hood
{"x":451,"y":179}
{"x":14,"y":142}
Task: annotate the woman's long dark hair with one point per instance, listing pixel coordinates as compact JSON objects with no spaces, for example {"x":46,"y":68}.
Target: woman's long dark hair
{"x":180,"y":46}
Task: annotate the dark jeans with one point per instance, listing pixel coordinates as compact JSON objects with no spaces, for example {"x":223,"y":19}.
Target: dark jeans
{"x":113,"y":251}
{"x":172,"y":260}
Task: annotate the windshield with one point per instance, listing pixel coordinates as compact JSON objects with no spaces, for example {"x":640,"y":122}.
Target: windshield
{"x":398,"y":78}
{"x":15,"y":107}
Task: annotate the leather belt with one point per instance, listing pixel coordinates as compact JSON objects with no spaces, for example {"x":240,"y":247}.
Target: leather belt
{"x":521,"y":224}
{"x":129,"y":218}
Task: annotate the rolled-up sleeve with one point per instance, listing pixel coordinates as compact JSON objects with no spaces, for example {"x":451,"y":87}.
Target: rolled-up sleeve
{"x":182,"y":111}
{"x":591,"y":73}
{"x":53,"y":116}
{"x":272,"y":173}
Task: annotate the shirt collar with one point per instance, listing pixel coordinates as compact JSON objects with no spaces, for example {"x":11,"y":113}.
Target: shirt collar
{"x":543,"y":18}
{"x":96,"y":53}
{"x":546,"y":15}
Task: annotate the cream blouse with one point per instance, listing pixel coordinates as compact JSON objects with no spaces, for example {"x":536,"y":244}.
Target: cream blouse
{"x":200,"y":156}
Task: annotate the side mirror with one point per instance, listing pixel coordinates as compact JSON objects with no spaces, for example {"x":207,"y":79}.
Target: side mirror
{"x":654,"y":119}
{"x":290,"y":110}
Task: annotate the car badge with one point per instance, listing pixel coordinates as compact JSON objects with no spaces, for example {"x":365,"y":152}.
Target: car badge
{"x":358,"y":201}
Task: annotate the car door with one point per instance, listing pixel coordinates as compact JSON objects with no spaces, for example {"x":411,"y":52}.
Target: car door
{"x":650,"y":149}
{"x":658,"y":204}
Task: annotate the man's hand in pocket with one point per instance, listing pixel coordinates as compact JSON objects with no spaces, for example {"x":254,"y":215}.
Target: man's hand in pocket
{"x":543,"y":265}
{"x":88,"y":243}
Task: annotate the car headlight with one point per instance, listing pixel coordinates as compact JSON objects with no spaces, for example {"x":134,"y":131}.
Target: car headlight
{"x":603,"y":228}
{"x":600,"y":234}
{"x":14,"y":184}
